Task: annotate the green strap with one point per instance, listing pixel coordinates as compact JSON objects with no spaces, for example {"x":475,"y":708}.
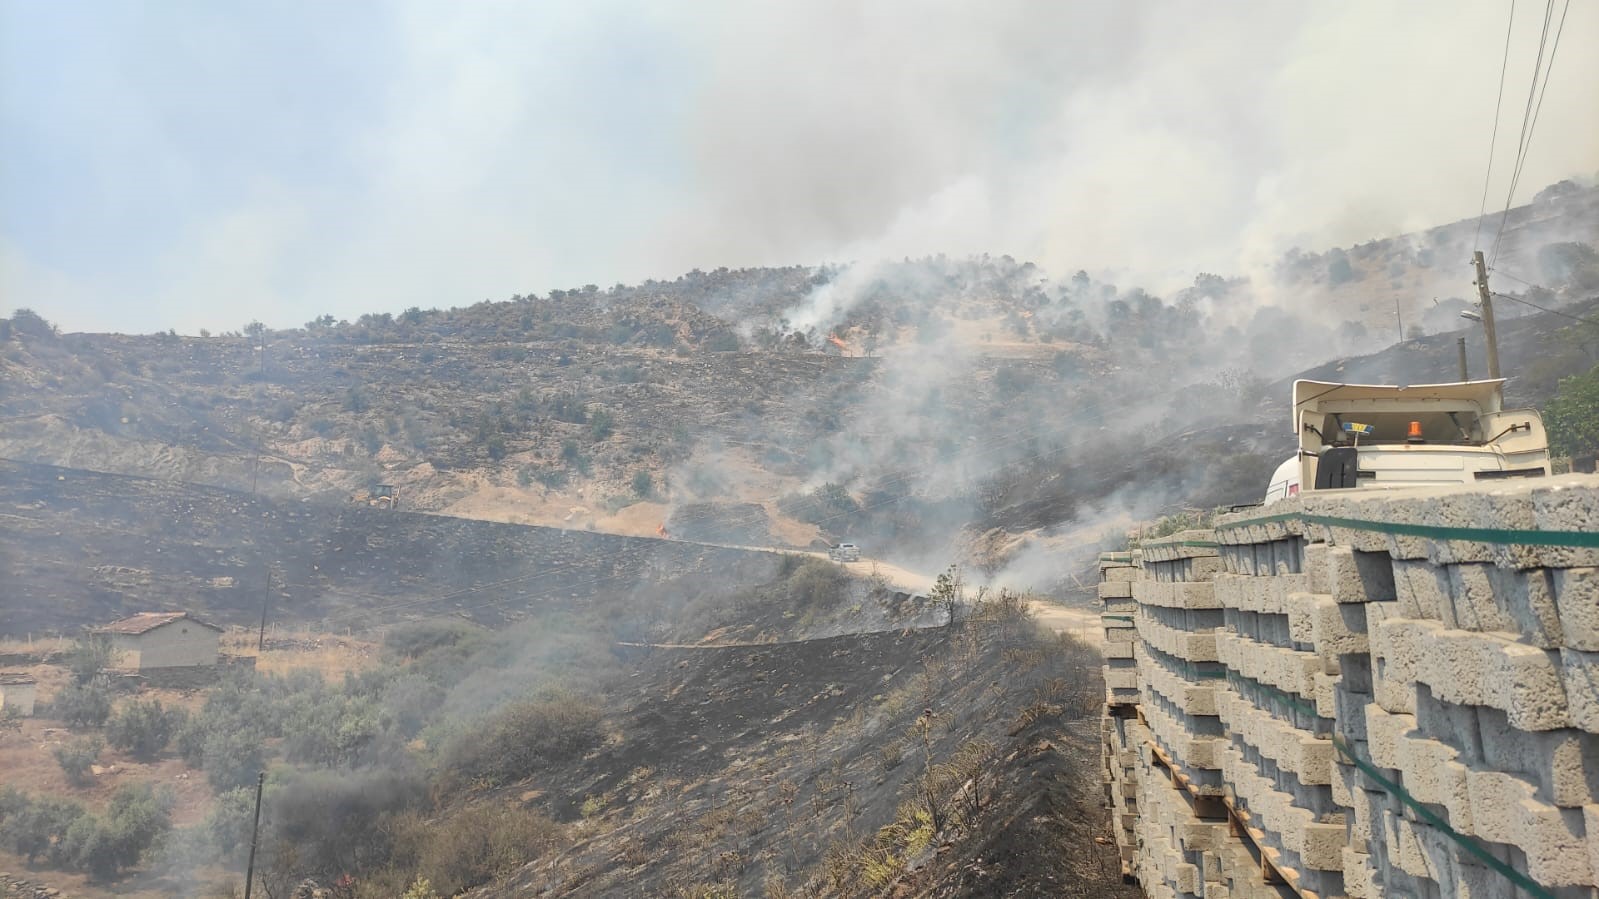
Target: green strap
{"x":1506,"y":536}
{"x":1426,"y":814}
{"x":1127,"y":618}
{"x":1469,"y":844}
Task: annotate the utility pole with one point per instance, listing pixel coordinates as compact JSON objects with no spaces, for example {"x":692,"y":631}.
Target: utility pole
{"x":1460,"y":344}
{"x":1399,"y":318}
{"x":255,"y":832}
{"x":1485,"y":298}
{"x":266,"y":596}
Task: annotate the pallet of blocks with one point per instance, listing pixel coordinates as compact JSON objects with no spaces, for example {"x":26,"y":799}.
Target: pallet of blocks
{"x":1121,"y":732}
{"x":1412,"y":690}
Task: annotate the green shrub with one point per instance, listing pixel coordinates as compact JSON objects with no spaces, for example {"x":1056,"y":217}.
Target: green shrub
{"x":33,"y":827}
{"x":643,"y":485}
{"x":1572,"y":416}
{"x":76,"y":757}
{"x":233,"y":756}
{"x":143,"y":729}
{"x":83,"y":706}
{"x":89,"y":656}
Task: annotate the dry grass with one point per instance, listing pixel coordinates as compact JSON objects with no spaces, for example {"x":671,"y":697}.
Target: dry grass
{"x":329,"y":655}
{"x":35,"y":647}
{"x":28,"y":764}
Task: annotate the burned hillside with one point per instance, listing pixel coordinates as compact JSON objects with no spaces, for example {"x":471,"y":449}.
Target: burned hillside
{"x":141,"y":544}
{"x":896,"y":403}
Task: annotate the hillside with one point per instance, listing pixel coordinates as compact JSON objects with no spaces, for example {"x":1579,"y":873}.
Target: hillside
{"x":927,"y":408}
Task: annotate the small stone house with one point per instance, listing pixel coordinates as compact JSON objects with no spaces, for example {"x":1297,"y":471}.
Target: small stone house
{"x":17,"y":692}
{"x":158,"y":640}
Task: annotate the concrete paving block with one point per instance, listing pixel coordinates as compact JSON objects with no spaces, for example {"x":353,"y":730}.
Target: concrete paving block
{"x":1336,"y":628}
{"x":1120,"y":678}
{"x":1357,"y":577}
{"x":1580,"y":674}
{"x":1119,"y":650}
{"x":1316,"y":567}
{"x":1324,"y":846}
{"x":1506,"y":810}
{"x":1563,"y":763}
{"x":1475,"y":591}
{"x":1571,"y":505}
{"x":1433,"y":774}
{"x":1577,"y":602}
{"x":1525,"y":683}
{"x":1118,"y":606}
{"x":1423,"y":591}
{"x":1528,"y":597}
{"x":1115,"y":589}
{"x":1384,"y":731}
{"x":1118,"y":574}
{"x":1359,"y":874}
{"x":1590,"y":824}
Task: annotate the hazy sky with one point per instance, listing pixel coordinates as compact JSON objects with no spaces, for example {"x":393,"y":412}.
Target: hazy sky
{"x":202,"y":164}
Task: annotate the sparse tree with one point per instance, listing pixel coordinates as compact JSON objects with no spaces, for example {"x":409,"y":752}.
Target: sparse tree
{"x":89,"y":656}
{"x":143,"y":729}
{"x":947,"y":593}
{"x":1572,"y":416}
{"x":83,"y":705}
{"x":77,"y":757}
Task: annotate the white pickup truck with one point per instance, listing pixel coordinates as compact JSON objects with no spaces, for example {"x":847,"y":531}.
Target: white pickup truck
{"x":1376,"y":435}
{"x":844,"y":552}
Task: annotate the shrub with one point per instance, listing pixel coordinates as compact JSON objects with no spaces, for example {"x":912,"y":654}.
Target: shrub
{"x":89,"y":656}
{"x":33,"y":827}
{"x":333,"y":823}
{"x":228,"y":825}
{"x":723,"y":342}
{"x":144,"y":728}
{"x":76,"y":757}
{"x":516,"y":741}
{"x":643,"y":484}
{"x":83,"y":706}
{"x":414,"y":639}
{"x":601,"y":425}
{"x":472,"y":846}
{"x":28,"y":323}
{"x":233,"y":756}
{"x":1572,"y":416}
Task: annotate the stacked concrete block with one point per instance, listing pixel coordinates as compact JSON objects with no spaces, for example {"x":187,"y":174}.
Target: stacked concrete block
{"x":1122,"y":733}
{"x":1117,"y":571}
{"x":1442,"y":642}
{"x":1183,"y":846}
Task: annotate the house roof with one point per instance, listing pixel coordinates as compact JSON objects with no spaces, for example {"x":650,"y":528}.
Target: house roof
{"x":144,"y":622}
{"x":12,"y":678}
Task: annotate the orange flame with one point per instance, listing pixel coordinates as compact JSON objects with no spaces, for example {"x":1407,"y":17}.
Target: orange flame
{"x":835,"y":341}
{"x":660,"y":529}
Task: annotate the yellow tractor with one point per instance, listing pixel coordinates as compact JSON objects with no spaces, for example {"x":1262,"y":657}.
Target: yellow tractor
{"x":382,"y":496}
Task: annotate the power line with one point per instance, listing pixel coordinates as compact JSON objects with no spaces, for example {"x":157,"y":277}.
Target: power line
{"x":1535,"y":95}
{"x":1493,"y":139}
{"x":1575,"y":318}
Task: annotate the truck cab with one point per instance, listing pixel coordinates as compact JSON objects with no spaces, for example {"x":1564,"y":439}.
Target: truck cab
{"x":1358,"y":436}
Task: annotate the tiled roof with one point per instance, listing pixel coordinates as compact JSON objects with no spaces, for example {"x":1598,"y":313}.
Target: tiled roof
{"x":149,"y":621}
